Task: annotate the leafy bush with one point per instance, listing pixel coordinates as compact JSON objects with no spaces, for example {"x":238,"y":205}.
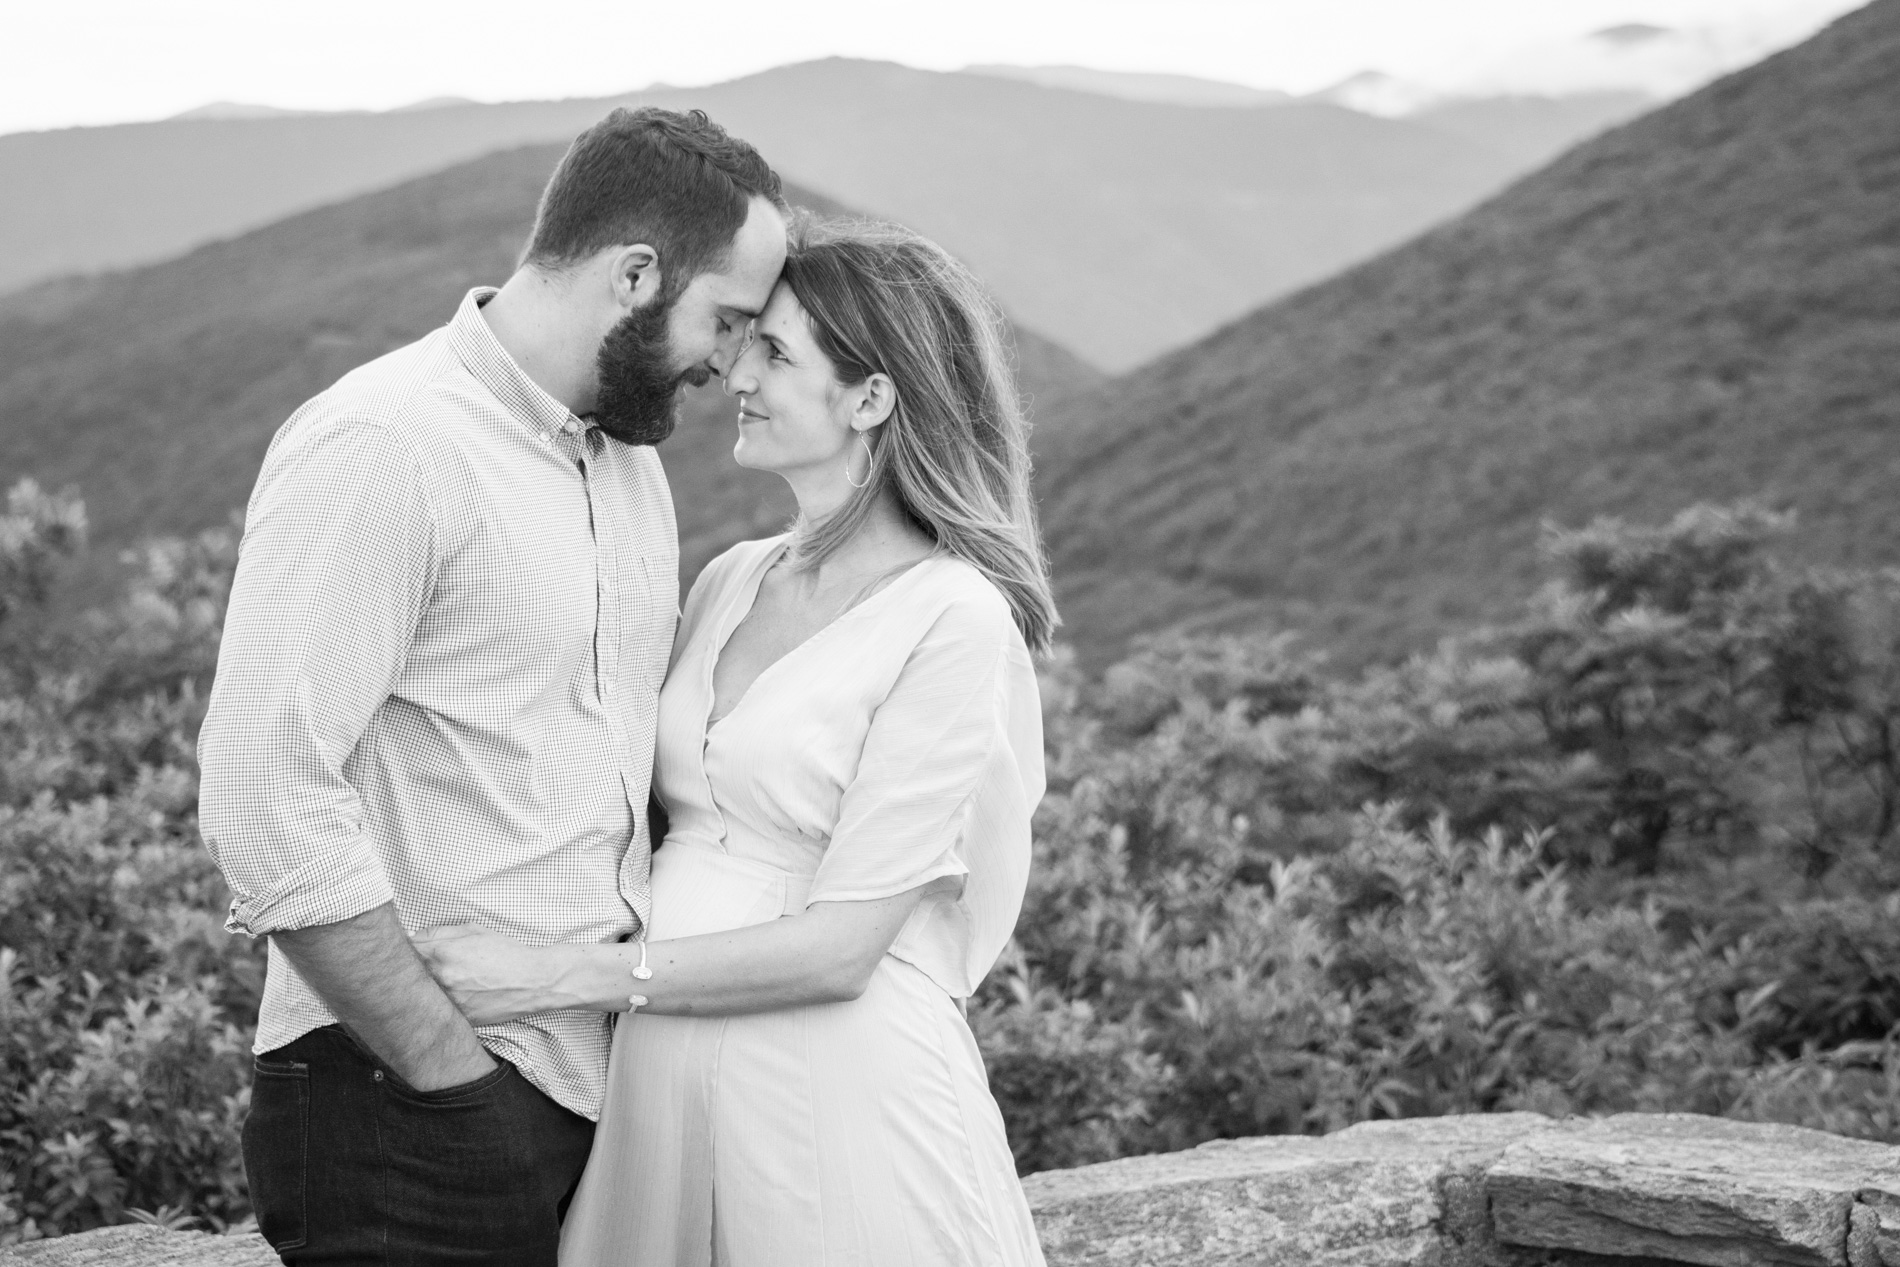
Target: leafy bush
{"x":1633,"y":851}
{"x":1823,"y":974}
{"x":125,"y":1010}
{"x":1617,"y":855}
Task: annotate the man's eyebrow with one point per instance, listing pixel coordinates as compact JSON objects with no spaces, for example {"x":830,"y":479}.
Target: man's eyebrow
{"x":750,"y":314}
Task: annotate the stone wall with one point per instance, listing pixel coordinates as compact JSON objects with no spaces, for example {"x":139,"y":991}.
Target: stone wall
{"x":1510,"y":1190}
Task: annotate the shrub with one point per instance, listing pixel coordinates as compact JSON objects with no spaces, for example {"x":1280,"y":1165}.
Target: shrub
{"x":1616,"y":855}
{"x":1631,"y":851}
{"x":125,"y":1010}
{"x":1823,"y":974}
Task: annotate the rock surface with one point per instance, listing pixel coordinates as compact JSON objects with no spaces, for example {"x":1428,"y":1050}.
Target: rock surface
{"x":1509,"y":1190}
{"x":143,"y":1245}
{"x":1370,"y":1194}
{"x":1690,"y":1190}
{"x":1512,"y":1190}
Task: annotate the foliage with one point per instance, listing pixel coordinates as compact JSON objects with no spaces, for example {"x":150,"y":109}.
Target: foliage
{"x":1631,"y":851}
{"x":1634,"y":850}
{"x":36,"y":532}
{"x":124,"y":1008}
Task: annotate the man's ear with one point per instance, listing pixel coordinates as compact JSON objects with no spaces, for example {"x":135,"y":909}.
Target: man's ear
{"x":878,"y":397}
{"x":634,"y":274}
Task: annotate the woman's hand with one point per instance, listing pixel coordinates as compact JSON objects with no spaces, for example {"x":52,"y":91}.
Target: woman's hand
{"x":490,"y":976}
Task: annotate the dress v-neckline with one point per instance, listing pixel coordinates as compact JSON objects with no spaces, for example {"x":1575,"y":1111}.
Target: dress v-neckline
{"x":729,"y":624}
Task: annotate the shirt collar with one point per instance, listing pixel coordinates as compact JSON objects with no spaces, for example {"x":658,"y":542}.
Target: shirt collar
{"x":484,"y":357}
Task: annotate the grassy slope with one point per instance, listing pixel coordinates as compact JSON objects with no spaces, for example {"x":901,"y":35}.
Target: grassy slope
{"x":156,"y":391}
{"x":1052,"y":195}
{"x":1702,"y":304}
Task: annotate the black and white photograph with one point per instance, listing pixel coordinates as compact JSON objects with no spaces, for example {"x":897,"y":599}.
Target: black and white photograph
{"x":1013,"y":633}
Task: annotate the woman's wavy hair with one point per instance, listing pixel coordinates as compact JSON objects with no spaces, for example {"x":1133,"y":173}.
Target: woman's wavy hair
{"x":954,"y":452}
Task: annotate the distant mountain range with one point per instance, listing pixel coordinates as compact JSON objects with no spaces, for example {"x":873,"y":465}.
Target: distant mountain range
{"x":1177,"y":90}
{"x":1639,"y":59}
{"x":1704,"y":304}
{"x":1529,"y":127}
{"x":221,"y":110}
{"x":224,"y":110}
{"x":1636,"y":61}
{"x":156,"y":391}
{"x":1121,"y":228}
{"x":1662,"y":62}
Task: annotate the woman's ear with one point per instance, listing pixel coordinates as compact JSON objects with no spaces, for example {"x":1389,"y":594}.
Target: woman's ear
{"x":877,"y":397}
{"x":634,"y":274}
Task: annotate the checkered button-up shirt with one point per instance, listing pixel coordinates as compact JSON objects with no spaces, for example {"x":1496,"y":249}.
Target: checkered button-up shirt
{"x":439,"y":677}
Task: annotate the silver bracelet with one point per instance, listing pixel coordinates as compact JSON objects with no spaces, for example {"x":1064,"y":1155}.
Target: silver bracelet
{"x":640,"y":972}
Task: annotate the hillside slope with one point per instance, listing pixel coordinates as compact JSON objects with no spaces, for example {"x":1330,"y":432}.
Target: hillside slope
{"x":1702,"y":304}
{"x":156,"y":391}
{"x":1532,"y":129}
{"x":1048,"y":193}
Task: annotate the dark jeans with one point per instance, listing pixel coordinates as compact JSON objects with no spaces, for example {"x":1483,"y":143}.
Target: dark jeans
{"x":349,"y":1164}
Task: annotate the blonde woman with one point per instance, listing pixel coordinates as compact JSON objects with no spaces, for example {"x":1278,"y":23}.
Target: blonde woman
{"x":850,"y":749}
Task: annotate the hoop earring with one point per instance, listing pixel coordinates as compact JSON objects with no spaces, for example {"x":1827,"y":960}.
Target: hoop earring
{"x":869,"y":458}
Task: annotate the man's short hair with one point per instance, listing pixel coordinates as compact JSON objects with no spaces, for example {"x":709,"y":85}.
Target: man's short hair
{"x":677,"y":182}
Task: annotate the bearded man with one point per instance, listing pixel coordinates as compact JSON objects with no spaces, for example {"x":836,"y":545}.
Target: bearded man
{"x":436,"y":701}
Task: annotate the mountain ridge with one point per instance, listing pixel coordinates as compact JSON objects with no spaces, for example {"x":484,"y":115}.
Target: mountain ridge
{"x":1701,"y":304}
{"x":156,"y":391}
{"x":1047,"y":192}
{"x":1156,"y":86}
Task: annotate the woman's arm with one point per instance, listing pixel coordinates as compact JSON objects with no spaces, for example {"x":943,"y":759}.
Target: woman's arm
{"x":929,"y":748}
{"x":825,"y":954}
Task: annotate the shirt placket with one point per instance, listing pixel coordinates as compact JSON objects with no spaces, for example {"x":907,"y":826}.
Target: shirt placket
{"x":610,"y":537}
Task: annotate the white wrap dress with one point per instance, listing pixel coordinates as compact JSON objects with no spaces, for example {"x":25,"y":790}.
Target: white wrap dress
{"x":899,"y":746}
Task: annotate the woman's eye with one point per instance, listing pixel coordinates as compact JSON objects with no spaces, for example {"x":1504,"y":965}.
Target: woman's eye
{"x":780,"y":356}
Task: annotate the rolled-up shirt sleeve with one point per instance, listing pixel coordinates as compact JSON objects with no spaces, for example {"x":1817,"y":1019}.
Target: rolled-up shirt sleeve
{"x":338,"y":561}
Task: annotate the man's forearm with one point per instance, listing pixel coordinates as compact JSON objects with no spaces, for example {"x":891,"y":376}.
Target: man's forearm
{"x":367,"y":972}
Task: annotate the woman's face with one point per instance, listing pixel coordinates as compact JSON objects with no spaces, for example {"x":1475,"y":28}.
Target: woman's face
{"x":794,"y":416}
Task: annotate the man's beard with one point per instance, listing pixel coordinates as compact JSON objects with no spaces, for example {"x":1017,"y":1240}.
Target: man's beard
{"x":638,"y":400}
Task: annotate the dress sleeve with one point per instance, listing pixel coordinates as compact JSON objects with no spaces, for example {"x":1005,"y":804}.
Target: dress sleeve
{"x":931,"y":746}
{"x":336,"y":568}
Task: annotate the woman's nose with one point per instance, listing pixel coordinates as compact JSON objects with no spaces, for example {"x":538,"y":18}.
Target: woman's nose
{"x":739,"y":380}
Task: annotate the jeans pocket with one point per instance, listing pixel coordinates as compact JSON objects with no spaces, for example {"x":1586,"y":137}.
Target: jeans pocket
{"x":460,"y":1094}
{"x":277,"y":1151}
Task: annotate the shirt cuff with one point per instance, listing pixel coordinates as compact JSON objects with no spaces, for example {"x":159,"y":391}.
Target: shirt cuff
{"x":312,"y":895}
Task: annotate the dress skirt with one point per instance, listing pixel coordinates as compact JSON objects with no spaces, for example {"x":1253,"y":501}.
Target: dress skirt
{"x":854,"y":1134}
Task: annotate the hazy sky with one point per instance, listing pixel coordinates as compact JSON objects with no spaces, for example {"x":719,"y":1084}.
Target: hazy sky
{"x":66,"y":62}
